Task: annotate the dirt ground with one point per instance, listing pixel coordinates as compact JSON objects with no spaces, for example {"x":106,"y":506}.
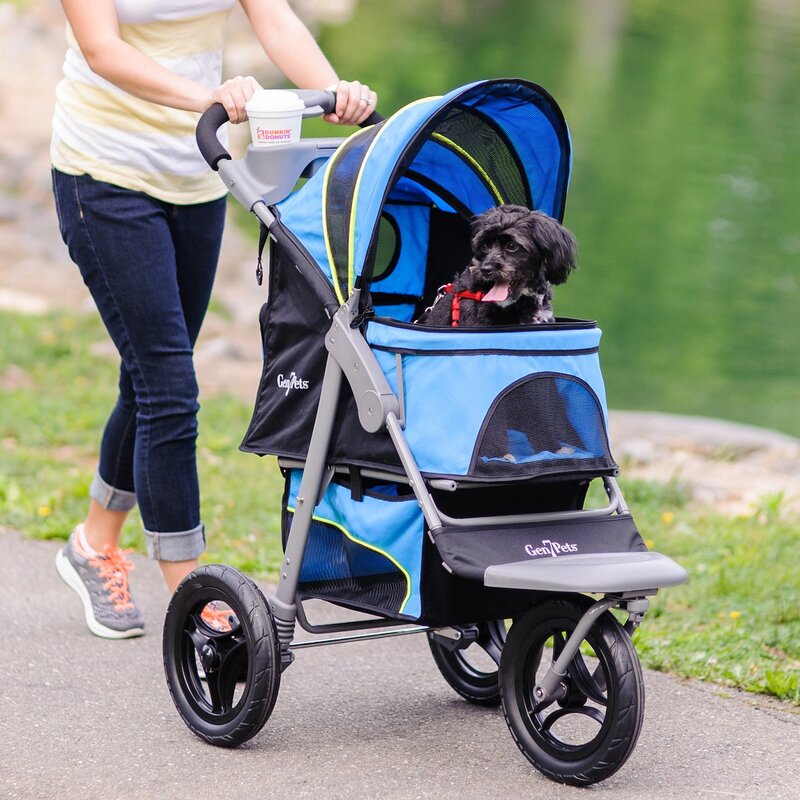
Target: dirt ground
{"x":732,"y":467}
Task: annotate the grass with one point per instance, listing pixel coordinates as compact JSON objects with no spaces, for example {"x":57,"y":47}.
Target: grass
{"x":737,"y":621}
{"x":56,"y":393}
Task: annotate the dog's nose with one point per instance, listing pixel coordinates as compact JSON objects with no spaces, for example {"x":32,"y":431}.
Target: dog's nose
{"x":487,"y":269}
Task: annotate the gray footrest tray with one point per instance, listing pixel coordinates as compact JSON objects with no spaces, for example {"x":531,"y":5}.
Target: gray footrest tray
{"x":590,"y":572}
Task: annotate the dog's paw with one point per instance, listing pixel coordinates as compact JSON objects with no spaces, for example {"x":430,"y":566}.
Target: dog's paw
{"x":509,"y":457}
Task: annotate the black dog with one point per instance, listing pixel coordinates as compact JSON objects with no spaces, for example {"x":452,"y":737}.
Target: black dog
{"x":517,"y":255}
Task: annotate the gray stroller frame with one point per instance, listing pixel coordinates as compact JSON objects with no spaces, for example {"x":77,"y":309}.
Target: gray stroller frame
{"x":225,"y":682}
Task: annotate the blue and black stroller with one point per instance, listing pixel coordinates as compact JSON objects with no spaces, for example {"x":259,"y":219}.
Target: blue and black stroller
{"x":435,"y":479}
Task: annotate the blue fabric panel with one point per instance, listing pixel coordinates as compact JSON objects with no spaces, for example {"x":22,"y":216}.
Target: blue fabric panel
{"x":577,"y":403}
{"x":411,"y":337}
{"x":445,"y":168}
{"x":448,"y":396}
{"x":404,"y":312}
{"x":536,"y":142}
{"x":414,"y":225}
{"x":301,"y":213}
{"x":391,"y":527}
{"x":406,"y":189}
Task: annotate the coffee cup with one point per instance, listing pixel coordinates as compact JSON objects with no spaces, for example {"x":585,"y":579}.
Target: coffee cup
{"x":275,"y":117}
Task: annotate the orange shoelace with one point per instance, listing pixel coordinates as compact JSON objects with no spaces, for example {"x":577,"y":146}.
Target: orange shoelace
{"x":220,"y":619}
{"x":112,"y":565}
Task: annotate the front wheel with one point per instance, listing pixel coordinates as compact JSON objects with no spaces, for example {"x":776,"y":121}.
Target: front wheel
{"x":221,"y":655}
{"x":589,"y":731}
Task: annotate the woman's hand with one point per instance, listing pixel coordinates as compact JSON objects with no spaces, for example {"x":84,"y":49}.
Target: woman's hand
{"x":354,"y":103}
{"x":233,"y":94}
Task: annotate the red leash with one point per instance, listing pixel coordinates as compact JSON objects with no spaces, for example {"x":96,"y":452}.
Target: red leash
{"x":455,"y":306}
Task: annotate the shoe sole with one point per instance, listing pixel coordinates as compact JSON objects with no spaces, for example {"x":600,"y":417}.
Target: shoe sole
{"x":68,"y":574}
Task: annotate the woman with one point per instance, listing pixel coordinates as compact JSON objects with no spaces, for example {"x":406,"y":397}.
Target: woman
{"x":142,"y":216}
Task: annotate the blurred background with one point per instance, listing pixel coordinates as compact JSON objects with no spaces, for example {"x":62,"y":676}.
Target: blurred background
{"x":685,"y":195}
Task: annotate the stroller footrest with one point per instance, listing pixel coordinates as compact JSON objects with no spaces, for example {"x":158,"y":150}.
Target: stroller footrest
{"x":591,"y":572}
{"x":470,"y":550}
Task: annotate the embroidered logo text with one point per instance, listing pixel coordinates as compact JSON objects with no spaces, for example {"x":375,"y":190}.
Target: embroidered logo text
{"x":291,"y":382}
{"x":550,"y":548}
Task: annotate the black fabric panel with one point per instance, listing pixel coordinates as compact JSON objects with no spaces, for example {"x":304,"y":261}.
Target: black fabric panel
{"x":293,"y":327}
{"x":448,"y":599}
{"x":449,"y":253}
{"x":469,"y":551}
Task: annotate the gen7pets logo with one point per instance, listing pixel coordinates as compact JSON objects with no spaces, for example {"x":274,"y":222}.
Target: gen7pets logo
{"x":291,"y":382}
{"x":550,"y":548}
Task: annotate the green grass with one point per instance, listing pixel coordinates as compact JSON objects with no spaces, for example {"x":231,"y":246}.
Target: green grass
{"x":736,"y":622}
{"x":56,"y":394}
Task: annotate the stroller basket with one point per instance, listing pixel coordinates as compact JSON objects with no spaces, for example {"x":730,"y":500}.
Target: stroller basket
{"x":511,"y":403}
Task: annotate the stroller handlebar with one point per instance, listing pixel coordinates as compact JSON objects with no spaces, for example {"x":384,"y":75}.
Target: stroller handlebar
{"x":317,"y":102}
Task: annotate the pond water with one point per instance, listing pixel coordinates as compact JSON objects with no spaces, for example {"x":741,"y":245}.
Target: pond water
{"x":685,"y":195}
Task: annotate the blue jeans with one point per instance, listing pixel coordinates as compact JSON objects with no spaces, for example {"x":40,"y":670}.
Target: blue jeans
{"x":149,"y":266}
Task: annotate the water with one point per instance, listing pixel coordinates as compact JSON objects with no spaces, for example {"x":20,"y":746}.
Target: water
{"x":685,"y":195}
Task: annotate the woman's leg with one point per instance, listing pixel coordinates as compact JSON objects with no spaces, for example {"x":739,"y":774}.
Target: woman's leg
{"x":122,"y":242}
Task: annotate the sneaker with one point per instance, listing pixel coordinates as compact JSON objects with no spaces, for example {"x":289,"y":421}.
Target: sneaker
{"x":101,"y":581}
{"x":219,"y":617}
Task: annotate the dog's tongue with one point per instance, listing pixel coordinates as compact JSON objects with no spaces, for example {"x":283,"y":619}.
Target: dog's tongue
{"x":497,"y":293}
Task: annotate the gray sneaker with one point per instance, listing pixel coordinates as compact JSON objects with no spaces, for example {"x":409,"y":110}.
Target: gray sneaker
{"x":101,"y":581}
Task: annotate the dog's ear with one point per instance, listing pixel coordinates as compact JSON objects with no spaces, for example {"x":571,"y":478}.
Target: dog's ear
{"x":557,"y":245}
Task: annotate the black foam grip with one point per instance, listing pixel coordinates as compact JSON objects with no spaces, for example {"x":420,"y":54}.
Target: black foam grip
{"x":212,"y":119}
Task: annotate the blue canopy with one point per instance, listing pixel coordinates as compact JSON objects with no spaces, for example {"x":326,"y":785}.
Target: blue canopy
{"x":489,"y":143}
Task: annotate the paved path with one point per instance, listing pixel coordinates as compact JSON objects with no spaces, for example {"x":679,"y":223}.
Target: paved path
{"x":82,"y":717}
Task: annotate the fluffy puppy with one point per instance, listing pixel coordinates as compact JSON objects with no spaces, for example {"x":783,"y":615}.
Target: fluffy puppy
{"x":516,"y":255}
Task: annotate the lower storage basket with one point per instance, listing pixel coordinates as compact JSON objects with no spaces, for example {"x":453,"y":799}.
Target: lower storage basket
{"x":368,"y":549}
{"x":364,"y":547}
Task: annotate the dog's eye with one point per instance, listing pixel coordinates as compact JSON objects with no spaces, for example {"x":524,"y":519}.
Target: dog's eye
{"x":484,"y":248}
{"x":511,"y":246}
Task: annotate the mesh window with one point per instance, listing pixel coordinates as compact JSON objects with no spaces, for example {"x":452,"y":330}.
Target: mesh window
{"x":338,"y":569}
{"x":341,"y":181}
{"x":467,"y":131}
{"x":543,"y":424}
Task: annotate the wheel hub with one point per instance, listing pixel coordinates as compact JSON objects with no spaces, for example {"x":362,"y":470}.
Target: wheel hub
{"x":209,"y":657}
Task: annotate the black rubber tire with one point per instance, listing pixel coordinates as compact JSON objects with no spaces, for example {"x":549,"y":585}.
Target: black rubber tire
{"x":466,"y":675}
{"x":232,"y":705}
{"x":610,"y":695}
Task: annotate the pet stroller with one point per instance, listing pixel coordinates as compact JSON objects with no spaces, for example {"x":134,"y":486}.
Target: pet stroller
{"x":435,"y":479}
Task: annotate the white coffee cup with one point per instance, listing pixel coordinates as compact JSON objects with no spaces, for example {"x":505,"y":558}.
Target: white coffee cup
{"x":275,"y":117}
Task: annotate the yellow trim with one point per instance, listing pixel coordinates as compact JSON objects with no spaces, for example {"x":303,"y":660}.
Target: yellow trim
{"x":478,"y":168}
{"x":369,"y":547}
{"x":334,"y":274}
{"x":352,"y":233}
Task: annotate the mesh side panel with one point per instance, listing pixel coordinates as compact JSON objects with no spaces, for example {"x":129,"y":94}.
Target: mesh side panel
{"x":543,"y":424}
{"x":484,"y":143}
{"x":336,"y":568}
{"x":341,"y":182}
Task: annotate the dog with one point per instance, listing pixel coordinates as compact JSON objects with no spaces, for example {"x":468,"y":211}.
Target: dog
{"x":517,"y":254}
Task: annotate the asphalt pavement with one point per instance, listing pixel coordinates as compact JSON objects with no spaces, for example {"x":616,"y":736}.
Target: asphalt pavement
{"x":84,"y":718}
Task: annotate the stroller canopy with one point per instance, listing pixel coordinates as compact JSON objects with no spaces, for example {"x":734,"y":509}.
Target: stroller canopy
{"x":486,"y":144}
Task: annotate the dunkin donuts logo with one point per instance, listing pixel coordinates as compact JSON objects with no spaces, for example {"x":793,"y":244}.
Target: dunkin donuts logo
{"x":273,"y":134}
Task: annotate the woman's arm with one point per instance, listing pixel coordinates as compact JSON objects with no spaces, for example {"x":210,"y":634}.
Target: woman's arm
{"x":96,"y":28}
{"x":295,"y":52}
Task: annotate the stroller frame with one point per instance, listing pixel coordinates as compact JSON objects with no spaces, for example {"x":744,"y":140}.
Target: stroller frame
{"x":622,"y":580}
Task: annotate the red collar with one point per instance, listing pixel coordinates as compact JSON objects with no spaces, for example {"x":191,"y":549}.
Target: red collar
{"x":455,"y":307}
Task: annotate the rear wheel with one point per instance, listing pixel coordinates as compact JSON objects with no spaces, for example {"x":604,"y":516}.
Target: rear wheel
{"x":588,"y":732}
{"x":221,"y":655}
{"x":470,"y":663}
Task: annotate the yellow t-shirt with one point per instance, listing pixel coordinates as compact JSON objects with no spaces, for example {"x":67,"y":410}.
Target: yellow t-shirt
{"x":102,"y":131}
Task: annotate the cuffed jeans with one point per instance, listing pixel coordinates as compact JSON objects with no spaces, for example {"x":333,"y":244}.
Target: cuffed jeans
{"x":149,"y":266}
